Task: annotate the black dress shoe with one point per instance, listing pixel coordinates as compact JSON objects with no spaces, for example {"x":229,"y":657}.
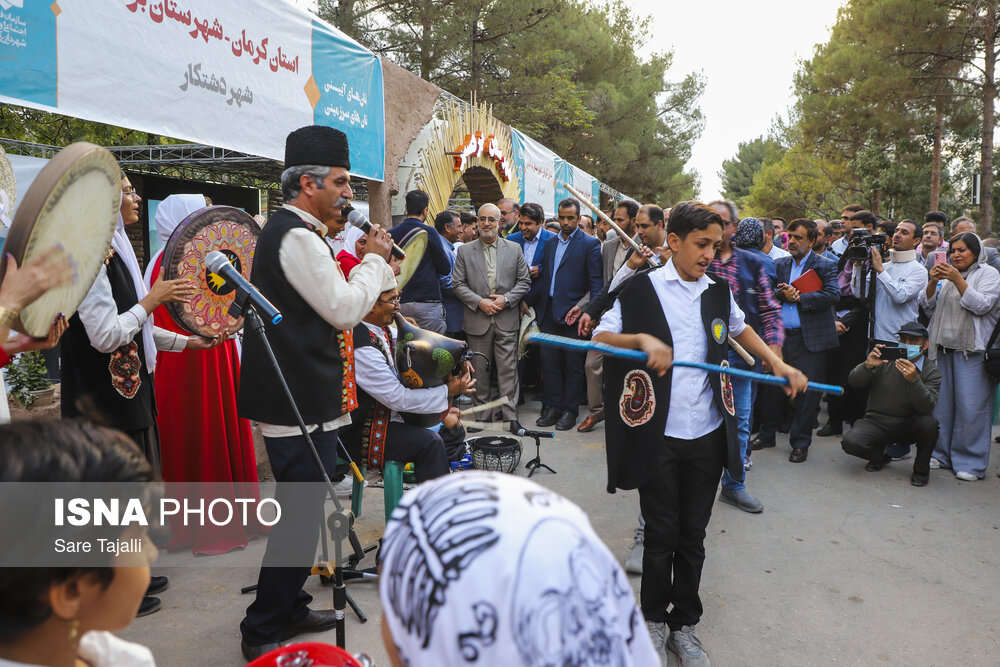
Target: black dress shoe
{"x":149,"y":605}
{"x":916,"y":479}
{"x":549,"y":417}
{"x":829,"y":429}
{"x":761,"y":442}
{"x":566,"y":421}
{"x":251,"y":653}
{"x":515,"y":426}
{"x":798,"y":455}
{"x":157,"y":585}
{"x":875,"y":466}
{"x":314,"y":621}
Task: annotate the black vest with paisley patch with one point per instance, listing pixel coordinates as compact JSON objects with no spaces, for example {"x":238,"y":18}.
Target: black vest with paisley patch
{"x":636,"y":400}
{"x":365,"y":438}
{"x":117,"y":386}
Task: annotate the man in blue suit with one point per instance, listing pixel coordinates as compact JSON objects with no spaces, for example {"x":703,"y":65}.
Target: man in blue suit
{"x":570,"y":270}
{"x":532,"y":237}
{"x":809,"y":331}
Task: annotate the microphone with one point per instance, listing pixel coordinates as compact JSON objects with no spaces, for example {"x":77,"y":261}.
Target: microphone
{"x":525,"y":433}
{"x":358,"y":219}
{"x":220,"y":265}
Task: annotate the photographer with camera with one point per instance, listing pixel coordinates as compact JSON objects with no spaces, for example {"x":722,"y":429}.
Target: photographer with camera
{"x":897,"y":283}
{"x":904,"y":387}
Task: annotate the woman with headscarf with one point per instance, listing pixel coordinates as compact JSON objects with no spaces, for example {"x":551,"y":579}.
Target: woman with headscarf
{"x":109,"y":351}
{"x":354,"y":249}
{"x":202,"y":439}
{"x":962,"y":298}
{"x":483,"y":568}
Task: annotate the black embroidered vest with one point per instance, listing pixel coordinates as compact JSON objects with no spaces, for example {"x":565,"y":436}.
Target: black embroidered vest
{"x":365,"y":438}
{"x":117,"y":386}
{"x":636,"y":400}
{"x":316,"y":359}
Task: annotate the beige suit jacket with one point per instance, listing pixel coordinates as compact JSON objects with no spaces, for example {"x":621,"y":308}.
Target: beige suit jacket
{"x":471,"y":287}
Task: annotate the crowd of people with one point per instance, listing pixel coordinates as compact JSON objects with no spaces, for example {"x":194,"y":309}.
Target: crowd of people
{"x":902,"y":314}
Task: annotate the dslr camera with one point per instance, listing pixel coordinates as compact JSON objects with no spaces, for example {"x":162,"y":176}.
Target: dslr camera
{"x":862,"y":241}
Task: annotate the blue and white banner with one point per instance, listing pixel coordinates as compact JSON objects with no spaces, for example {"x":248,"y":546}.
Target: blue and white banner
{"x":239,"y":74}
{"x":585,"y":183}
{"x":536,"y":171}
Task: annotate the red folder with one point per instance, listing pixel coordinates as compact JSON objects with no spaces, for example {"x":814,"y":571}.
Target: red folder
{"x":808,"y":282}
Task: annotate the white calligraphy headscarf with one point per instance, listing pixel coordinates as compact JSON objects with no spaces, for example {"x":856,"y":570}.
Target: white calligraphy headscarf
{"x":492,"y":569}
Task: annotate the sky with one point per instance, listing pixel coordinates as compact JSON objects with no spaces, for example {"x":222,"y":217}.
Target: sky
{"x":748,"y":52}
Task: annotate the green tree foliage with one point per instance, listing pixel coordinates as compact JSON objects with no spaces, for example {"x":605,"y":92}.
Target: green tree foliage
{"x":885,"y":122}
{"x":563,"y":71}
{"x":737,"y":172}
{"x":42,"y":127}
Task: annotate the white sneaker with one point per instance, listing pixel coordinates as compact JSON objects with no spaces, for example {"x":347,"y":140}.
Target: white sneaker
{"x":345,"y":487}
{"x":633,"y":565}
{"x":686,"y":645}
{"x":965,"y":476}
{"x":658,"y":633}
{"x":934,"y":464}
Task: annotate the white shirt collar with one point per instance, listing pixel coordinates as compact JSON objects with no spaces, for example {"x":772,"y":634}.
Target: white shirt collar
{"x":669,"y":272}
{"x":308,"y":217}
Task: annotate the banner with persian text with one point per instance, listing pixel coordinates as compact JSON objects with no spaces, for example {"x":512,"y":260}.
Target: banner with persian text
{"x":238,"y":74}
{"x":579,"y":179}
{"x":536,"y":169}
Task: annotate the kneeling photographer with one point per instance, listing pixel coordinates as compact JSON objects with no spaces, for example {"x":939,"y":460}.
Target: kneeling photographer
{"x":904,"y":387}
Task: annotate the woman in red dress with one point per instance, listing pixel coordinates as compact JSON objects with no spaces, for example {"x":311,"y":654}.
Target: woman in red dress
{"x":201,"y":437}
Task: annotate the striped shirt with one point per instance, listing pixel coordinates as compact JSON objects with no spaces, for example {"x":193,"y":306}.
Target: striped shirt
{"x":772,"y":328}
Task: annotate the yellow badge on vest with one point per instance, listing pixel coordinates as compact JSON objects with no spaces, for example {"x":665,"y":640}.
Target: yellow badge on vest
{"x":719,"y":330}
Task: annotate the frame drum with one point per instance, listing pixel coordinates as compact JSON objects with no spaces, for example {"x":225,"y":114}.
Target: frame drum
{"x":73,"y":203}
{"x":226,"y":229}
{"x":414,"y":245}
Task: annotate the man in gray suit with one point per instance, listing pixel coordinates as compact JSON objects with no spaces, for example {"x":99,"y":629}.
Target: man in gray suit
{"x":491,"y":277}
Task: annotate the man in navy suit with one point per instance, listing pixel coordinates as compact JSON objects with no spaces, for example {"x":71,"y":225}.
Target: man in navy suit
{"x":809,"y":331}
{"x":570,"y":270}
{"x":531,"y":237}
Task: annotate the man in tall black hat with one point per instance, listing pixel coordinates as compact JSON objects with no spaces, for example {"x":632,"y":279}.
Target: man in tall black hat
{"x":296,"y":270}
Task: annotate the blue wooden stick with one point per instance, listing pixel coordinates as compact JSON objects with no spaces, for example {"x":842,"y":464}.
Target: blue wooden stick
{"x":639,"y":355}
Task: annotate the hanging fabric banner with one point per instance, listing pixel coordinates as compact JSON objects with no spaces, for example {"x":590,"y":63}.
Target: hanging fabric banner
{"x":536,"y":169}
{"x":238,"y":74}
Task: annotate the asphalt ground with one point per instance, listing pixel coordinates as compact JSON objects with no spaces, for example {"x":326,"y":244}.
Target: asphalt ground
{"x":842,"y":567}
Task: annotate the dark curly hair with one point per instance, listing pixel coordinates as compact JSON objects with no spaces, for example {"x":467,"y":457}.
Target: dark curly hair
{"x":57,"y":451}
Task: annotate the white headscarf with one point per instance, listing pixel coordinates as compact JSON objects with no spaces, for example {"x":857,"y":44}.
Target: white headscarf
{"x":123,"y":247}
{"x":492,"y":569}
{"x":169,"y":213}
{"x":350,"y":240}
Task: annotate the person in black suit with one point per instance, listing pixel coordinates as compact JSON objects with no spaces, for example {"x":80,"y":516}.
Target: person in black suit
{"x":570,"y":270}
{"x":809,"y":331}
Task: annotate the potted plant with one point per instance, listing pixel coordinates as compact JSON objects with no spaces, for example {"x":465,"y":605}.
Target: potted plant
{"x":28,"y":381}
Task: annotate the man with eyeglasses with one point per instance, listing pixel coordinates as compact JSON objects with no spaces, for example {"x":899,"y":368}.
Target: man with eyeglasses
{"x":509,"y":212}
{"x":382,"y":397}
{"x":571,"y":270}
{"x":490,"y":278}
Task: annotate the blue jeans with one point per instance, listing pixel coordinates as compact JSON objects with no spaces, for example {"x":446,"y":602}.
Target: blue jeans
{"x":744,"y":392}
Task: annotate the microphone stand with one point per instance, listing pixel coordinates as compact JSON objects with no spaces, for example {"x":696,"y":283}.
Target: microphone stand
{"x":340,"y":522}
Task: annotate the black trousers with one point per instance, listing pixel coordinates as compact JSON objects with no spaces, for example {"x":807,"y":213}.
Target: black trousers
{"x":563,"y":378}
{"x":425,"y":448}
{"x":871,"y":435}
{"x":851,"y":351}
{"x":804,"y":405}
{"x":280,"y":598}
{"x":676,"y":506}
